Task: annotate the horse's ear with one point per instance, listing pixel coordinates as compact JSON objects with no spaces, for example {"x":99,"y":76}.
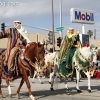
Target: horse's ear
{"x":39,"y":44}
{"x":96,"y":47}
{"x":43,"y":43}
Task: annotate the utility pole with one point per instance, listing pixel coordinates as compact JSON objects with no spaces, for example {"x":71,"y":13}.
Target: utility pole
{"x":94,"y":34}
{"x":60,"y":4}
{"x":83,"y":29}
{"x":53,"y":27}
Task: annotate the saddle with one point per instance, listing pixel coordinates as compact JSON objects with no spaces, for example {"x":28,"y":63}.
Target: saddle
{"x":14,"y":69}
{"x":81,"y":60}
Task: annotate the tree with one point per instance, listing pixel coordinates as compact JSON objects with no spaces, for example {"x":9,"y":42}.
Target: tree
{"x":90,"y":33}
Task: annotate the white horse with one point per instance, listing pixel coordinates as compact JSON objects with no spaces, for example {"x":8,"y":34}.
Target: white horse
{"x":85,"y":51}
{"x":49,"y":64}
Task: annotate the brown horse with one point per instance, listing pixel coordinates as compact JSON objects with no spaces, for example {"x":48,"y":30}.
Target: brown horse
{"x":32,"y":54}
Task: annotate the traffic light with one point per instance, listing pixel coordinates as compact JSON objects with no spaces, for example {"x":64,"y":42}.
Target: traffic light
{"x":50,"y":37}
{"x":59,"y":39}
{"x":51,"y":50}
{"x":3,"y":27}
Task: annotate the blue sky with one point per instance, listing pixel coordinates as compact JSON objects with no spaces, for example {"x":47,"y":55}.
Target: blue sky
{"x":39,"y":13}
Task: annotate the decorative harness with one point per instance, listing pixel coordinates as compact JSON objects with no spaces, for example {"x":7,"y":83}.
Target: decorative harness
{"x":81,"y":60}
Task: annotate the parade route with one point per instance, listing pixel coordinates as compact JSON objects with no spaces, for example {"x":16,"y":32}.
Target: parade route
{"x":42,"y":91}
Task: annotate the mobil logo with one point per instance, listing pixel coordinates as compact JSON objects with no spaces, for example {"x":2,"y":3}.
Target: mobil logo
{"x":86,"y":16}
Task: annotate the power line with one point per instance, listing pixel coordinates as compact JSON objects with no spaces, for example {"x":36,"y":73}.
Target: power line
{"x":9,"y":26}
{"x":38,"y":27}
{"x":35,"y":27}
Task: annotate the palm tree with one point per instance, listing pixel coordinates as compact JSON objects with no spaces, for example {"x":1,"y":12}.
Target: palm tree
{"x":90,"y":33}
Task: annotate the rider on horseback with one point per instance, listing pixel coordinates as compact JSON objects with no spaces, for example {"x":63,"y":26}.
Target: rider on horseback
{"x":68,"y":47}
{"x":17,"y":40}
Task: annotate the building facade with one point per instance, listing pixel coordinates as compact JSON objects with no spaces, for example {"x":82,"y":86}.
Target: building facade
{"x":36,"y":37}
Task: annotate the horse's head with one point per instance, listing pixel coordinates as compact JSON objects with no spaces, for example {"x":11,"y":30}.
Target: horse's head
{"x":94,"y":52}
{"x":35,"y":52}
{"x":98,"y":54}
{"x":91,"y":55}
{"x":40,"y":53}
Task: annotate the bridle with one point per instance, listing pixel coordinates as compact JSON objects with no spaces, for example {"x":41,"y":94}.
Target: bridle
{"x":37,"y":58}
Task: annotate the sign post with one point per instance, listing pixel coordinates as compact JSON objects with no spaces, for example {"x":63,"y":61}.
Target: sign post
{"x":83,"y":28}
{"x":59,"y":29}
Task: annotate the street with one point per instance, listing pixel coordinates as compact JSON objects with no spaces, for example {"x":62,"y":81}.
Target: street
{"x":42,"y":91}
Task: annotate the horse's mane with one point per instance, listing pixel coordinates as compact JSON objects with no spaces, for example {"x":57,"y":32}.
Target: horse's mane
{"x":30,"y":45}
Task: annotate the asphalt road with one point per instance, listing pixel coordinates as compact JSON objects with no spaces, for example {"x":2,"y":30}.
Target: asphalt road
{"x":42,"y":91}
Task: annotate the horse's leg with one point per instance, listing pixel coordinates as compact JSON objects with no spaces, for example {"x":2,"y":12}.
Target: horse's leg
{"x":89,"y":77}
{"x":38,"y":77}
{"x":9,"y":88}
{"x":52,"y":82}
{"x":28,"y":85}
{"x":53,"y":76}
{"x":18,"y":90}
{"x":34,"y":76}
{"x":77,"y":79}
{"x":40,"y":80}
{"x":66,"y":85}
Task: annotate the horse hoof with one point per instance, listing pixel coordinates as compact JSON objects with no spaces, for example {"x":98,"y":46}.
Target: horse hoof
{"x":41,"y":82}
{"x":1,"y":96}
{"x":18,"y":96}
{"x":10,"y":95}
{"x":49,"y":82}
{"x":89,"y":91}
{"x":51,"y":89}
{"x":79,"y":91}
{"x":34,"y":99}
{"x":68,"y":89}
{"x":31,"y":76}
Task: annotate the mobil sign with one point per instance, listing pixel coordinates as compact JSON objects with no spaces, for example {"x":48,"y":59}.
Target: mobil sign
{"x":83,"y":16}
